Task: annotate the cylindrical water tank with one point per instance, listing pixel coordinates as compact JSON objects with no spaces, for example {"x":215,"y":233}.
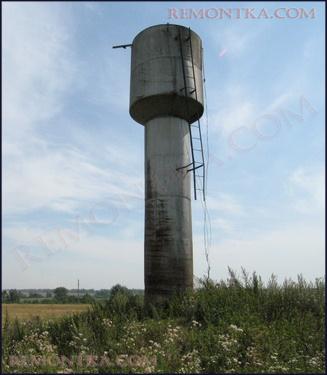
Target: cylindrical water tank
{"x":161,"y":64}
{"x":163,"y":98}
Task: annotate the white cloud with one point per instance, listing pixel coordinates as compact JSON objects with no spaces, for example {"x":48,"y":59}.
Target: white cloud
{"x":62,"y":180}
{"x":40,"y":71}
{"x":100,"y":260}
{"x":235,"y":40}
{"x":224,"y":225}
{"x":306,"y":186}
{"x":37,"y":65}
{"x":285,"y":251}
{"x":226,"y":204}
{"x":237,"y":114}
{"x":92,"y":6}
{"x":238,"y":111}
{"x":110,"y":82}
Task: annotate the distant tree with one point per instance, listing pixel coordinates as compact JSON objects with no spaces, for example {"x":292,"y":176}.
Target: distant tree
{"x":60,"y":293}
{"x":49,"y":295}
{"x":137,"y":291}
{"x":35,"y":295}
{"x":5,"y":296}
{"x":102,"y":293}
{"x":119,"y":299}
{"x":86,"y":299}
{"x":71,"y":299}
{"x":13,"y":296}
{"x":119,"y":289}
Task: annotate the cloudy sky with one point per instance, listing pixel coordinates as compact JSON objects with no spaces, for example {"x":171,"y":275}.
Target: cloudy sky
{"x":73,"y":184}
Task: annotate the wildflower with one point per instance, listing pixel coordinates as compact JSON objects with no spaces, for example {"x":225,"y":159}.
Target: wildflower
{"x":107,"y":322}
{"x":235,"y":328}
{"x":65,"y":371}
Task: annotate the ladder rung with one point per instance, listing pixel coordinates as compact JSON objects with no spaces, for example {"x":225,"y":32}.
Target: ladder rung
{"x":193,"y":169}
{"x":191,"y":92}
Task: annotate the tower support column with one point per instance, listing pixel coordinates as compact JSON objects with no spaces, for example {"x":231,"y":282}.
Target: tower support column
{"x":168,"y":221}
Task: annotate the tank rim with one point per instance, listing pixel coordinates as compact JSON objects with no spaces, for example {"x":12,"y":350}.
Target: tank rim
{"x":164,"y":24}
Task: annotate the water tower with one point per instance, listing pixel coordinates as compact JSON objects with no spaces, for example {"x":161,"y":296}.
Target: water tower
{"x":166,"y":97}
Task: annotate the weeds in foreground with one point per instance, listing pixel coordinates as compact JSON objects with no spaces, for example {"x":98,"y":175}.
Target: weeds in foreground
{"x":239,"y":325}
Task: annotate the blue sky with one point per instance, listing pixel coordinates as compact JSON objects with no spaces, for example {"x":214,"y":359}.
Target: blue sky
{"x":73,"y":182}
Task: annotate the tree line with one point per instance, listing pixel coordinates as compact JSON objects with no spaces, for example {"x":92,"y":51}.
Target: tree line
{"x":61,"y":295}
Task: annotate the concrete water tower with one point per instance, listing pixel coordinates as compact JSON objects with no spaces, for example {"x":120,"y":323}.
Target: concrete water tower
{"x":166,"y":96}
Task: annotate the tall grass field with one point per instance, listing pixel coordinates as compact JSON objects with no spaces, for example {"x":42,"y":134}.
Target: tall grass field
{"x":240,"y":325}
{"x":23,"y":311}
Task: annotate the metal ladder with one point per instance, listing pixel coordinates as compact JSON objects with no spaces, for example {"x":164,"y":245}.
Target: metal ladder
{"x":198,"y":165}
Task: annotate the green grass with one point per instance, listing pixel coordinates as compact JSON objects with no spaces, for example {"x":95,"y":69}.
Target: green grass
{"x":238,"y":326}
